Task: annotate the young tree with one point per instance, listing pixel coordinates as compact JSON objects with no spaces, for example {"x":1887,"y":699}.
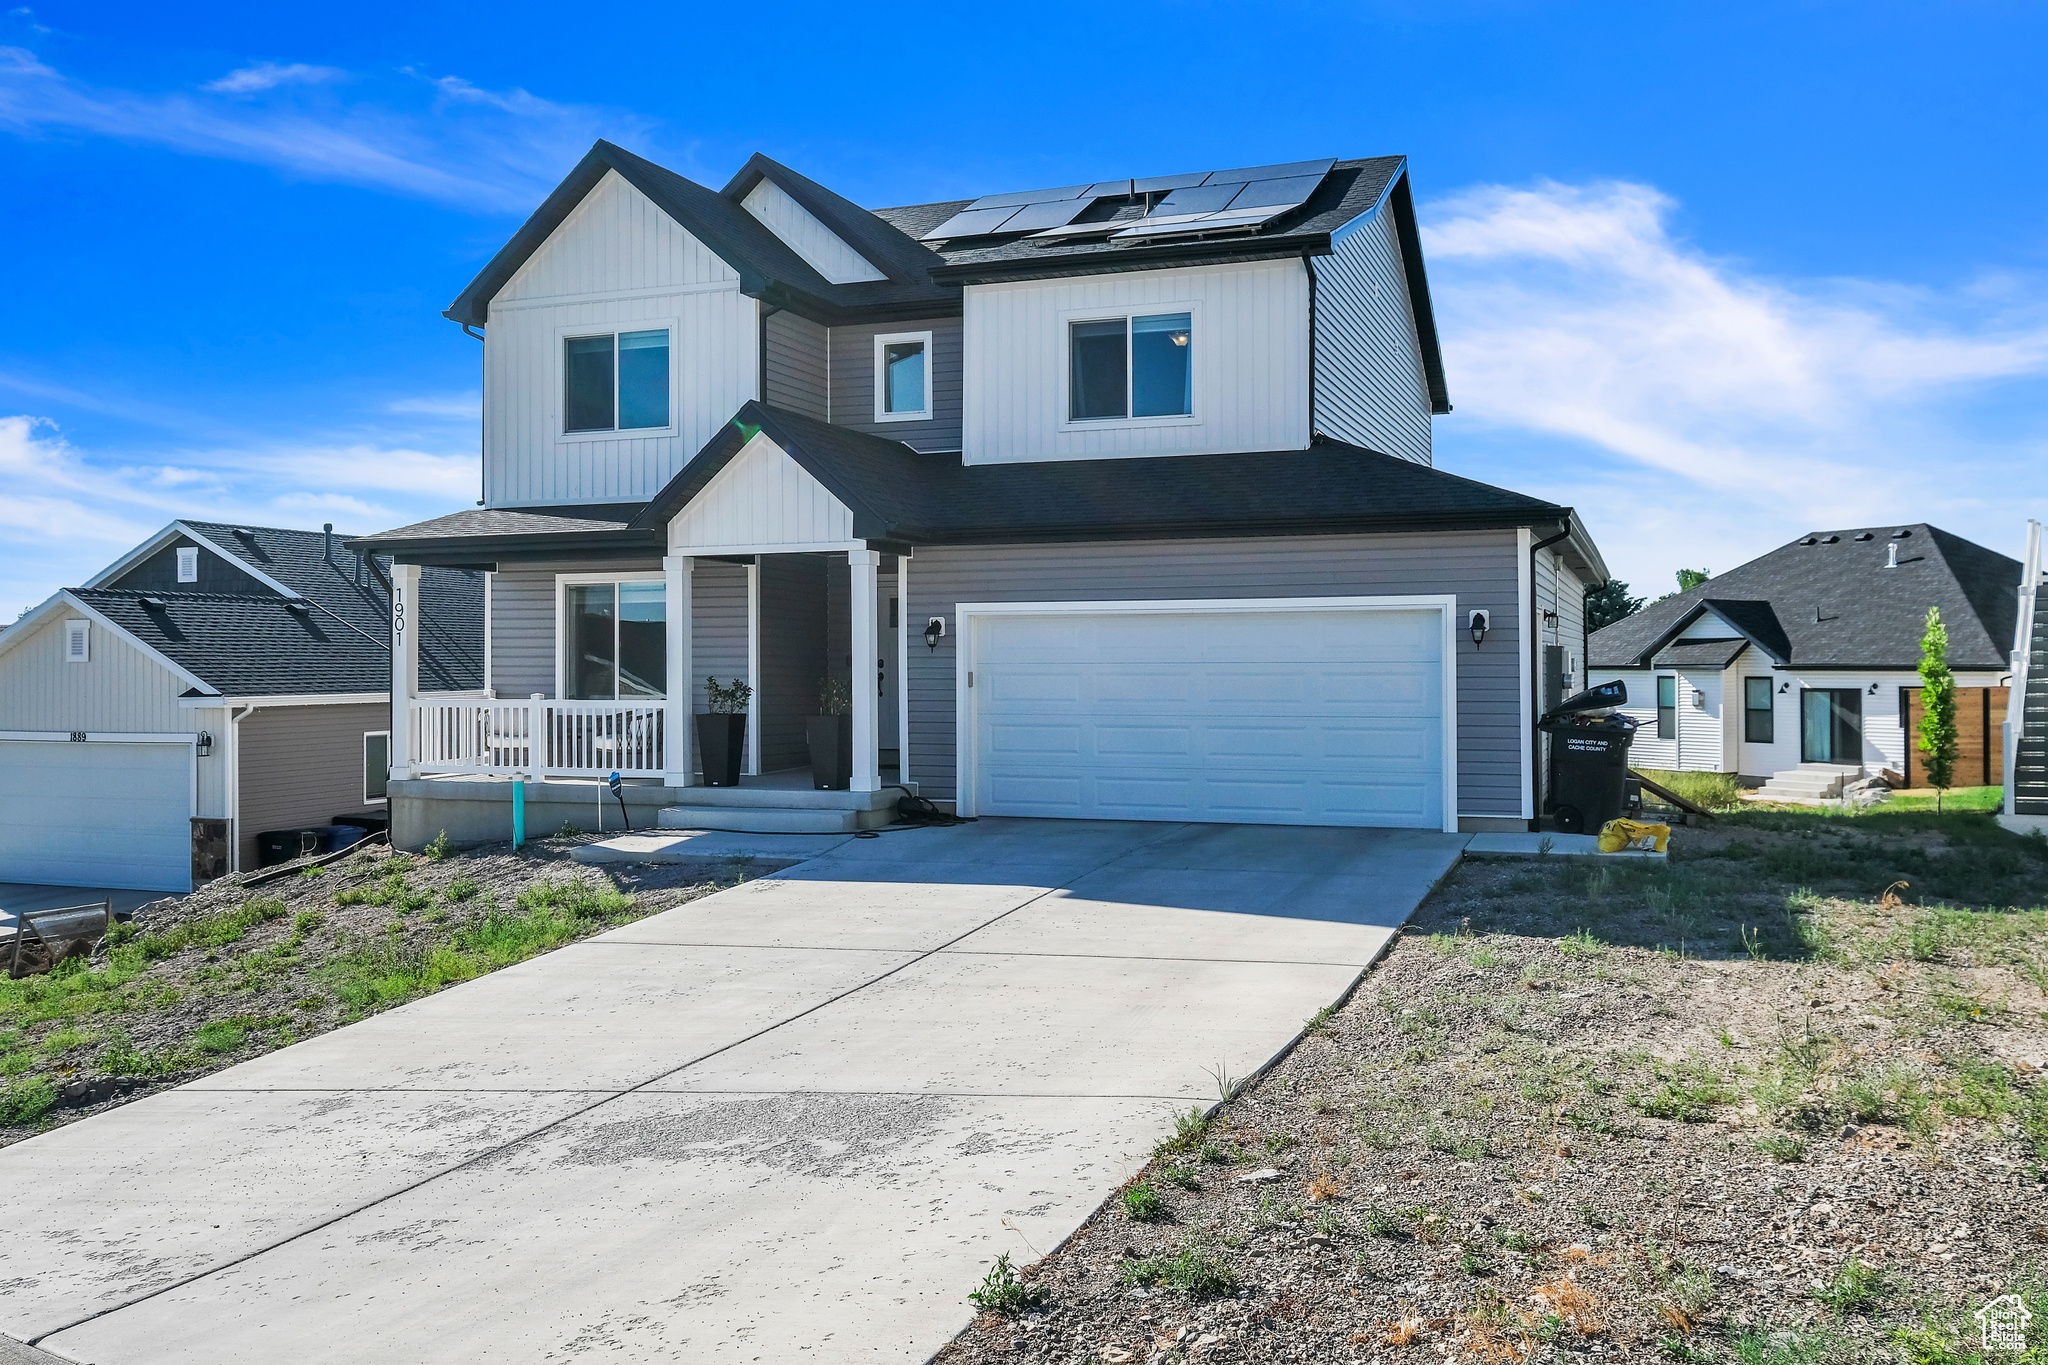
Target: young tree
{"x":1938,"y":740}
{"x":1609,"y":602}
{"x":1688,"y":579}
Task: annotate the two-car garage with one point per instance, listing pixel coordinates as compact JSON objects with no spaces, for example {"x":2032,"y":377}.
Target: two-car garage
{"x":97,"y":812}
{"x":1322,"y":711}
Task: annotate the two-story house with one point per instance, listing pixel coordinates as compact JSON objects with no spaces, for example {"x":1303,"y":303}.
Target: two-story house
{"x":1112,"y":500}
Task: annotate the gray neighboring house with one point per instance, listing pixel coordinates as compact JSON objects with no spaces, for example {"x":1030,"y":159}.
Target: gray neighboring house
{"x":215,"y":682}
{"x":1112,"y":500}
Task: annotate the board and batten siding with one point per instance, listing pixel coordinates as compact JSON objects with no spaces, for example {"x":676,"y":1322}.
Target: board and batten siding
{"x":1250,"y":363}
{"x":119,"y":690}
{"x":1370,"y":386}
{"x":853,"y":382}
{"x":824,"y":250}
{"x":761,"y":498}
{"x":796,"y":364}
{"x":301,"y":765}
{"x":1479,"y":567}
{"x":618,"y":262}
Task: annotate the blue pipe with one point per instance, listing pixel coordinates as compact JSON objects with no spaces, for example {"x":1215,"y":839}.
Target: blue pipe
{"x":518,"y":812}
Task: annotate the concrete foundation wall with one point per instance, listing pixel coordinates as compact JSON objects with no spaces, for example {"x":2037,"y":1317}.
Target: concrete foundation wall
{"x":479,"y":811}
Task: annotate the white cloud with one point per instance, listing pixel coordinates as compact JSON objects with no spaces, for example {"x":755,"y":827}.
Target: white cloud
{"x":466,"y":407}
{"x":269,"y":75}
{"x":69,"y":513}
{"x":476,"y":149}
{"x":1698,"y":413}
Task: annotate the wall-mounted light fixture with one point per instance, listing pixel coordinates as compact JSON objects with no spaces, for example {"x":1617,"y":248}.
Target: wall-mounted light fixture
{"x":1550,"y":620}
{"x":934,"y":631}
{"x":1480,"y":621}
{"x":1873,"y":689}
{"x":1784,"y":687}
{"x":1699,"y":700}
{"x":204,"y":746}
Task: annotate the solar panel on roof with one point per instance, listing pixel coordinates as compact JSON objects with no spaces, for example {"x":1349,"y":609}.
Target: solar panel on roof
{"x":1017,"y":198}
{"x":1284,"y":193}
{"x":1318,"y":169}
{"x":971,"y":222}
{"x":1154,"y":184}
{"x":1035,"y":216}
{"x":1199,"y":199}
{"x":1110,"y":189}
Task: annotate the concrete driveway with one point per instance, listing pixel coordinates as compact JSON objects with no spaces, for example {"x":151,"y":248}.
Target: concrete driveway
{"x":794,"y":1120}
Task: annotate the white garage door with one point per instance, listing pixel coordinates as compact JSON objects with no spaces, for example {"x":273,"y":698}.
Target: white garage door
{"x":96,"y":814}
{"x":1326,"y":717}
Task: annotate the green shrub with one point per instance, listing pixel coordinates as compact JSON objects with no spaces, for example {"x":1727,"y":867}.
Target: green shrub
{"x":219,"y":1035}
{"x":1193,"y":1270}
{"x":1142,"y":1203}
{"x":1003,"y":1291}
{"x":1190,"y":1131}
{"x":439,"y":848}
{"x":26,"y":1101}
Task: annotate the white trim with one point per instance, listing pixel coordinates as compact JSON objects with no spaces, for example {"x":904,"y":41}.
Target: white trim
{"x":1525,"y":608}
{"x":490,"y":583}
{"x":613,"y":296}
{"x":562,"y":581}
{"x":77,"y":640}
{"x":233,"y":758}
{"x":753,"y":759}
{"x":903,"y":669}
{"x":807,"y":547}
{"x":368,"y":799}
{"x":405,"y":664}
{"x":923,"y":414}
{"x":863,"y":601}
{"x":1129,"y":313}
{"x":287,"y":699}
{"x":95,"y":737}
{"x":679,"y":574}
{"x":557,"y":414}
{"x":172,"y":532}
{"x":966,"y":616}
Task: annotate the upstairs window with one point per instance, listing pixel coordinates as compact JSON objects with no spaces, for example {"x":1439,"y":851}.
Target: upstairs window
{"x":615,"y":640}
{"x":1131,"y":367}
{"x":188,"y":563}
{"x":903,"y":378}
{"x":1759,"y":713}
{"x":1667,"y":708}
{"x":615,"y":382}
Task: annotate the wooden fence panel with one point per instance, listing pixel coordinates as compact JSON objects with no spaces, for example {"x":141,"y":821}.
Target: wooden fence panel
{"x":1980,"y":737}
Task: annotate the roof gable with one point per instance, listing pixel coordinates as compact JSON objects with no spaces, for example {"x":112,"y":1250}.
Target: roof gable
{"x":761,"y":499}
{"x":615,"y":240}
{"x":825,"y":250}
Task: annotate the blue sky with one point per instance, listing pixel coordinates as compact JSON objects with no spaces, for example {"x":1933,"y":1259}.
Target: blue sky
{"x":1714,"y":274}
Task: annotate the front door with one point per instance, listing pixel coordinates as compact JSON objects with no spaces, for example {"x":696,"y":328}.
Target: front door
{"x":887,"y":613}
{"x":1831,"y":725}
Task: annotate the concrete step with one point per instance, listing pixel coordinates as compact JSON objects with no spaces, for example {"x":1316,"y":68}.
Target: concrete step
{"x":771,"y":820}
{"x":784,"y":798}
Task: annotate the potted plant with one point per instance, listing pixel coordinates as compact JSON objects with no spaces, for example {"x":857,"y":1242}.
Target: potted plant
{"x":722,"y":733}
{"x":831,"y":736}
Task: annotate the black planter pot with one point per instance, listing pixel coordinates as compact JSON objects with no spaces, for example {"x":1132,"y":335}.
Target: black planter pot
{"x":721,"y":740}
{"x":831,"y":751}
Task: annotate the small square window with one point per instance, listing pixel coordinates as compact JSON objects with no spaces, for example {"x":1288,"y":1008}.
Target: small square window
{"x":77,"y":642}
{"x":615,"y":382}
{"x":903,"y":377}
{"x":188,"y":563}
{"x":1131,"y":367}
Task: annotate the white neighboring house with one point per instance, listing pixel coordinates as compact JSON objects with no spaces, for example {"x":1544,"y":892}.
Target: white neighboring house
{"x":1809,"y":655}
{"x":216,"y":682}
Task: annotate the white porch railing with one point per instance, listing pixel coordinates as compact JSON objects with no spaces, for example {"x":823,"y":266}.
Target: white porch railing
{"x":539,"y":737}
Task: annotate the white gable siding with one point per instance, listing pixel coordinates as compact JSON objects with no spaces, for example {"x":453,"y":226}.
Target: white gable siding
{"x":1250,"y":358}
{"x":1709,"y":627}
{"x":825,"y":250}
{"x":617,"y":262}
{"x":1370,"y":385}
{"x":761,"y":498}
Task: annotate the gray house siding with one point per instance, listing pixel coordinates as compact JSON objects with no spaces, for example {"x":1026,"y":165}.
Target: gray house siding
{"x":301,"y":765}
{"x":796,"y":365}
{"x":792,"y":655}
{"x":1478,"y":566}
{"x":718,"y":638}
{"x":523,"y":621}
{"x":1369,"y":384}
{"x":853,"y":383}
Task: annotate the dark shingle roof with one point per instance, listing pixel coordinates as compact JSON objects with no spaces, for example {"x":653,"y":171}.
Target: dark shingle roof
{"x":1827,"y":601}
{"x":900,"y":494}
{"x":249,"y":646}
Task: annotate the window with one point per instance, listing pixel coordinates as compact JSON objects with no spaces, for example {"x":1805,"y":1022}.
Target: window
{"x":1130,"y":367}
{"x":903,"y":377}
{"x":1667,"y":708}
{"x":77,"y":642}
{"x":376,"y":766}
{"x":615,"y":640}
{"x":1759,"y":715}
{"x":615,"y":382}
{"x":188,"y":563}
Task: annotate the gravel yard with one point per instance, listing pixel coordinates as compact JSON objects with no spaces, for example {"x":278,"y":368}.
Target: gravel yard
{"x":200,"y":982}
{"x":1761,"y":1106}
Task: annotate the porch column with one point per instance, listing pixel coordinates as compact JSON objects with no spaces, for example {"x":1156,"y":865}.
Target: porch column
{"x":680,"y":731}
{"x":405,"y":663}
{"x":865,"y":640}
{"x":903,"y":669}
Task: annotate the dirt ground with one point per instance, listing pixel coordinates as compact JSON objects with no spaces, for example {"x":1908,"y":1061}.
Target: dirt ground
{"x":1765,"y":1105}
{"x":204,"y":981}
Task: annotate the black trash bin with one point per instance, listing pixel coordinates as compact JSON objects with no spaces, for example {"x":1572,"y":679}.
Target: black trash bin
{"x":1589,"y":758}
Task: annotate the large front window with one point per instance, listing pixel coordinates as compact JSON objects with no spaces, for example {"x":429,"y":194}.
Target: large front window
{"x":615,"y":641}
{"x":615,"y":382}
{"x":1130,"y":367}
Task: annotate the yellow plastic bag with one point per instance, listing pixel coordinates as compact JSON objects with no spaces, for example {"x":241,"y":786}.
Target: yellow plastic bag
{"x":1618,"y":835}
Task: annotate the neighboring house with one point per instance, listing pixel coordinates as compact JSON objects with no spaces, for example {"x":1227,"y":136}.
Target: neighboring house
{"x":1808,"y":655}
{"x":1125,"y":489}
{"x":216,"y":682}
